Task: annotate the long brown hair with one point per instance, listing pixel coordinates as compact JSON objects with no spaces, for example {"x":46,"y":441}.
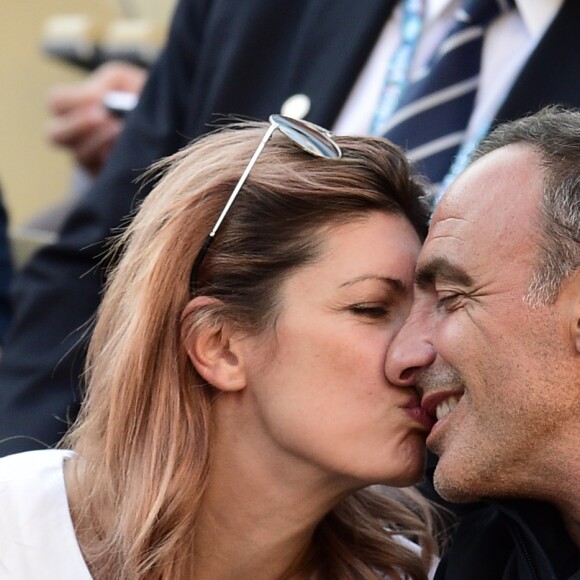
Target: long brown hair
{"x":144,"y":433}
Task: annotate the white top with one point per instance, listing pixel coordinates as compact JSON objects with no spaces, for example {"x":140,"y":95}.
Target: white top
{"x":508,"y":42}
{"x":37,"y":536}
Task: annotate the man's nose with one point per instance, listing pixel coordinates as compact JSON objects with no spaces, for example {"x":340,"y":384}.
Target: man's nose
{"x":411,"y":351}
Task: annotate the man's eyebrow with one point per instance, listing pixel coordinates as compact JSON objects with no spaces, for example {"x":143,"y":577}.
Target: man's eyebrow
{"x":441,"y":270}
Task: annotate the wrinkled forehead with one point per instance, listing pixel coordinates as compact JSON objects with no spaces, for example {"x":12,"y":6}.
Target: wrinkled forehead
{"x":492,"y":206}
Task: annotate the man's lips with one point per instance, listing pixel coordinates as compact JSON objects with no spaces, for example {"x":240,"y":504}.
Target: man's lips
{"x":431,"y":401}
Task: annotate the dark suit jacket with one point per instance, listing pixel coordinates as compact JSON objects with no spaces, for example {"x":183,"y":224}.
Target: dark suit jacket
{"x":243,"y":57}
{"x":5,"y":273}
{"x":511,"y":540}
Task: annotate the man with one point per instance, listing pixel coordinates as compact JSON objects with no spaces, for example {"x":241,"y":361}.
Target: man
{"x":250,"y":59}
{"x":493,"y":344}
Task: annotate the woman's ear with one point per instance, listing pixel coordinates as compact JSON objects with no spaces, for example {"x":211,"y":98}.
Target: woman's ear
{"x":212,"y":348}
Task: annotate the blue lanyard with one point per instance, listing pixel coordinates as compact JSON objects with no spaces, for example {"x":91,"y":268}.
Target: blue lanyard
{"x":462,"y":159}
{"x":400,"y":64}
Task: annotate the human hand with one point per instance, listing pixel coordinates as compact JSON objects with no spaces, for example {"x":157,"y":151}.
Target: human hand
{"x":81,"y":122}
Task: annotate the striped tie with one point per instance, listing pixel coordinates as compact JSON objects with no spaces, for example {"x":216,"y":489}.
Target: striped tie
{"x":433,"y":112}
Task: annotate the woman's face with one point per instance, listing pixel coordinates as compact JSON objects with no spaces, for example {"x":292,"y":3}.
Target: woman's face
{"x":316,"y":387}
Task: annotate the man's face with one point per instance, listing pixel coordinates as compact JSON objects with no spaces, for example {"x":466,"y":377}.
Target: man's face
{"x":498,"y":373}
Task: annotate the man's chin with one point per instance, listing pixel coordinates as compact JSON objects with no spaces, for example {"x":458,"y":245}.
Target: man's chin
{"x":454,"y":490}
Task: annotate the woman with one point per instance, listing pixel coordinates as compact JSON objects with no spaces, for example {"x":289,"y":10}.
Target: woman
{"x":236,"y":408}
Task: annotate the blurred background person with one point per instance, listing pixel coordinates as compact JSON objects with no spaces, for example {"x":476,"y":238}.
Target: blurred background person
{"x":80,"y":119}
{"x":5,"y":273}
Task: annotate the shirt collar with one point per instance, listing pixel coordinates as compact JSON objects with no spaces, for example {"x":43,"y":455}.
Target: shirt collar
{"x":536,"y":14}
{"x":433,"y":8}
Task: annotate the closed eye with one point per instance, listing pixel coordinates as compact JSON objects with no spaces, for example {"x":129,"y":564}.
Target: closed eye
{"x":369,"y":310}
{"x":449,"y":302}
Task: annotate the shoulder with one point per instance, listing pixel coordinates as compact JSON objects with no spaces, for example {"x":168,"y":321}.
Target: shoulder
{"x":26,"y":476}
{"x":37,"y":538}
{"x":30,"y":463}
{"x":31,"y":486}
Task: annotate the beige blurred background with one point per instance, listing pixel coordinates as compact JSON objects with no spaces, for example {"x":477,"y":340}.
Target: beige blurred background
{"x":34,"y":174}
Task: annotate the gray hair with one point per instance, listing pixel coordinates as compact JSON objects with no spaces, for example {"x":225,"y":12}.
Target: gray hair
{"x":554,"y":133}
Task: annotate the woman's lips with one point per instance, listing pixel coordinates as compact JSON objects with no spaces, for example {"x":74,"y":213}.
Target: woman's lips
{"x":419,"y":415}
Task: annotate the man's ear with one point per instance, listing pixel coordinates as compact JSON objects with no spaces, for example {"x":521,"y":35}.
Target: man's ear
{"x":574,"y":321}
{"x":212,"y":346}
{"x":577,"y":329}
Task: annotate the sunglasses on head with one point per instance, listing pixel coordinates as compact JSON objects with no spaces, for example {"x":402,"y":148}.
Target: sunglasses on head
{"x":310,"y":137}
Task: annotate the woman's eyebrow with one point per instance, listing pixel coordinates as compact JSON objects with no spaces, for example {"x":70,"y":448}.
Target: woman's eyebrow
{"x":395,"y":283}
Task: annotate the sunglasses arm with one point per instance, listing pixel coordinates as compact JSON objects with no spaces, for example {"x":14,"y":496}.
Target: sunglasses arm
{"x":208,"y":241}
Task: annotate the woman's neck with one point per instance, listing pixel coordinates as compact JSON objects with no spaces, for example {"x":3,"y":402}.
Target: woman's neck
{"x":230,"y":546}
{"x":257,"y":519}
{"x":246,"y":529}
{"x":262,"y":505}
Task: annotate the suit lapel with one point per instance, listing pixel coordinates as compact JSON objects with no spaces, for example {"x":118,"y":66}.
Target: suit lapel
{"x":336,"y":39}
{"x":551,"y":74}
